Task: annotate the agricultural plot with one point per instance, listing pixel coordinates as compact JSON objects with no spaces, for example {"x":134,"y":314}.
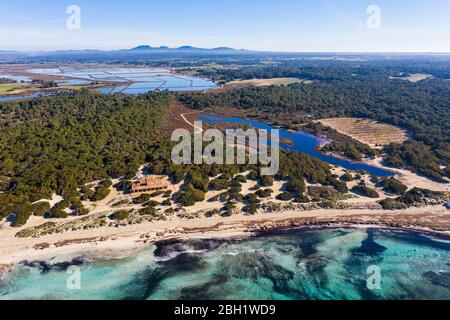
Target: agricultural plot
{"x":414,"y":77}
{"x":15,"y":88}
{"x":372,"y":133}
{"x":267,"y":82}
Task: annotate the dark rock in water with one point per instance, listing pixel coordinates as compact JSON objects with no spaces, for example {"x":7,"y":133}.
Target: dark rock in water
{"x":369,"y":246}
{"x":441,"y":279}
{"x":185,"y":262}
{"x":316,"y":269}
{"x":46,"y":267}
{"x":308,"y":247}
{"x":147,"y":282}
{"x":207,"y":291}
{"x":164,"y":248}
{"x":254,"y":266}
{"x":250,"y":265}
{"x":167,"y":248}
{"x":144,"y":285}
{"x":417,"y":238}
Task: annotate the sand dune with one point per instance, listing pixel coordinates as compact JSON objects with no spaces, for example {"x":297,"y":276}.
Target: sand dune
{"x":111,"y":240}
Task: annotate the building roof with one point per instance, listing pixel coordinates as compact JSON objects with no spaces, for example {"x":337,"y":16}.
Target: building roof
{"x":149,"y":181}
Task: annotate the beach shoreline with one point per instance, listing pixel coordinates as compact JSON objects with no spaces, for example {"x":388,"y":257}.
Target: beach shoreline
{"x":123,"y":241}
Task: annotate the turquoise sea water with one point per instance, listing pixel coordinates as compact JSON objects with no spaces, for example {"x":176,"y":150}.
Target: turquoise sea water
{"x":302,"y":142}
{"x":302,"y":264}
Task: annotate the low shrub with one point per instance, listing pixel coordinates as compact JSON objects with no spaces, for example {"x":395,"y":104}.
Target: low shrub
{"x":302,"y":199}
{"x":100,"y":194}
{"x":251,"y":208}
{"x":219,"y":184}
{"x":252,"y":198}
{"x":120,"y":215}
{"x":23,"y":213}
{"x":266,"y":181}
{"x":107,"y":183}
{"x":393,"y":186}
{"x":264,"y":193}
{"x":365,"y":191}
{"x":347,"y":177}
{"x":285,"y":196}
{"x":56,"y":213}
{"x":143,"y":198}
{"x":149,"y":211}
{"x":40,"y":208}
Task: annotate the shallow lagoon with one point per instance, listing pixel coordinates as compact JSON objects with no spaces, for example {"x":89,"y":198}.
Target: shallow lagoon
{"x":16,"y":78}
{"x":28,"y":96}
{"x":301,"y":142}
{"x":302,"y":264}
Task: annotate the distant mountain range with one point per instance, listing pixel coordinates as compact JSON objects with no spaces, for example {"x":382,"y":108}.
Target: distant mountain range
{"x":148,"y":51}
{"x":185,"y":49}
{"x":142,"y":49}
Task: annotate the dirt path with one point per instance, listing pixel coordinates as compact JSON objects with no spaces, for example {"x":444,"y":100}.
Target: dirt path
{"x":183,"y":116}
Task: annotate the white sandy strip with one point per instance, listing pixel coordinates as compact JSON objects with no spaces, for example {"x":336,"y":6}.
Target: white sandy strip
{"x":412,"y":179}
{"x":110,"y":240}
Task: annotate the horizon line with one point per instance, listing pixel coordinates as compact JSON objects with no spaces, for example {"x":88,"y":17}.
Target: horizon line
{"x":230,"y":48}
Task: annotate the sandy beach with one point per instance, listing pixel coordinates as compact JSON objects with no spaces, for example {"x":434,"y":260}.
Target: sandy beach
{"x":77,"y":238}
{"x":122,"y":240}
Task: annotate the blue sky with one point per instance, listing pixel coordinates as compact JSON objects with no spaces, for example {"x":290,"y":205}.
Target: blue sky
{"x":275,"y":25}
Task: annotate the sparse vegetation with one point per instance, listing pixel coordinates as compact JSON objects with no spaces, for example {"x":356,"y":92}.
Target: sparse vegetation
{"x":120,"y":215}
{"x":393,"y":186}
{"x":100,"y":193}
{"x":148,"y":211}
{"x":59,"y":210}
{"x":141,"y":199}
{"x":415,"y":197}
{"x":23,"y":213}
{"x":365,"y":191}
{"x":347,"y":177}
{"x":264,"y":193}
{"x":41,"y":208}
{"x":251,"y":208}
{"x":285,"y":196}
{"x":301,"y":199}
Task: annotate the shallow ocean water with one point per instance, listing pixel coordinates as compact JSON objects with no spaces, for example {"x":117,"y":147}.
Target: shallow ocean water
{"x":302,"y":264}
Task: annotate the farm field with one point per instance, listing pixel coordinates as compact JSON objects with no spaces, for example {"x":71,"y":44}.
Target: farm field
{"x":372,"y":133}
{"x":267,"y":82}
{"x":414,"y":78}
{"x":15,"y":88}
